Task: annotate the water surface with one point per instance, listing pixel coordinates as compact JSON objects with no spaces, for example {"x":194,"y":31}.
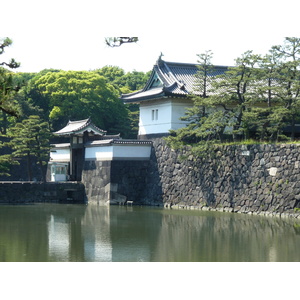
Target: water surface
{"x":91,"y":233}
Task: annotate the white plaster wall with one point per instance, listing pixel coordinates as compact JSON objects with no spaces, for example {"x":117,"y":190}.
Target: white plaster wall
{"x":178,"y":110}
{"x":134,"y":152}
{"x":60,"y":155}
{"x":162,"y":124}
{"x":99,"y":153}
{"x":169,"y":113}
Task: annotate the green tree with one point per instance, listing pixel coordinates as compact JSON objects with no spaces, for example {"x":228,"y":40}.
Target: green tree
{"x":233,"y":92}
{"x":287,"y":89}
{"x":134,"y":81}
{"x":221,"y":104}
{"x":124,"y":82}
{"x":8,"y":87}
{"x":78,"y":95}
{"x":112,"y":74}
{"x":118,"y":41}
{"x":276,"y":102}
{"x":205,"y":120}
{"x":258,"y":97}
{"x":30,"y":139}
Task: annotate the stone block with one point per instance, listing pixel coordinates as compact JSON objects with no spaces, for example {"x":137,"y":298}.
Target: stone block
{"x":273,"y":171}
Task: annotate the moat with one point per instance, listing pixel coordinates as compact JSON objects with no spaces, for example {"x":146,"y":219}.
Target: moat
{"x":92,"y":233}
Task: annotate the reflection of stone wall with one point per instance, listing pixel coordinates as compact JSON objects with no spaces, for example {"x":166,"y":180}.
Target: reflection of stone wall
{"x":207,"y":236}
{"x":254,"y":178}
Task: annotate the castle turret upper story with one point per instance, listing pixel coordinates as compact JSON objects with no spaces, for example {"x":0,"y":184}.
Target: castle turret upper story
{"x":165,"y":97}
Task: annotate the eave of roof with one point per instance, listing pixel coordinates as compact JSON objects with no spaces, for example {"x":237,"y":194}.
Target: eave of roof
{"x":144,"y":95}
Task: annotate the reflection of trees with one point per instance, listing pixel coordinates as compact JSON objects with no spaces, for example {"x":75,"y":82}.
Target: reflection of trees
{"x":134,"y":233}
{"x":19,"y":229}
{"x":95,"y":233}
{"x":25,"y":232}
{"x":225,"y":237}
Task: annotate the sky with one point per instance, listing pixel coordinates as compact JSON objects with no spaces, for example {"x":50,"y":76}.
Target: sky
{"x":70,"y":34}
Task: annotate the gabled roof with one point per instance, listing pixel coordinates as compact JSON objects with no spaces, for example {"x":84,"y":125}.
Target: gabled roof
{"x":169,"y":79}
{"x":78,"y":127}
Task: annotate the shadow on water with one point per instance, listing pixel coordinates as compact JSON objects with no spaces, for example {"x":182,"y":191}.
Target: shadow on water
{"x":57,"y":232}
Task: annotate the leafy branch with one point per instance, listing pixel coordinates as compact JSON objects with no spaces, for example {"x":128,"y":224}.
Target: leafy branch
{"x":118,"y":41}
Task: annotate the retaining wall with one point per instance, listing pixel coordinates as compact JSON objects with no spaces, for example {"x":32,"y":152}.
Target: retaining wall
{"x":115,"y":182}
{"x":37,"y":192}
{"x":260,"y":179}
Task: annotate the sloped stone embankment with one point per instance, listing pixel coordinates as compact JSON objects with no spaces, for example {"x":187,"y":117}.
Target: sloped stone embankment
{"x":259,"y":179}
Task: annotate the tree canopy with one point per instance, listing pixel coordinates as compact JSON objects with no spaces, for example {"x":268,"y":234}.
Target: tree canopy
{"x":75,"y":95}
{"x":30,"y":139}
{"x":258,"y":98}
{"x":8,"y":86}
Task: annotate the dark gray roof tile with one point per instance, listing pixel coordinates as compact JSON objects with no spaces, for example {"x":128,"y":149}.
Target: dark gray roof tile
{"x":178,"y":80}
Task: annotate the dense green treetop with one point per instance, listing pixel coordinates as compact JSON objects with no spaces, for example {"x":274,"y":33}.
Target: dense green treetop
{"x":58,"y":95}
{"x":124,"y":82}
{"x":75,"y":95}
{"x":257,"y":98}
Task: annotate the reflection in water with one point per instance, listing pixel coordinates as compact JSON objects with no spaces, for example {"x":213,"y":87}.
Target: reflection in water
{"x":95,"y":229}
{"x":52,"y":232}
{"x":58,"y":236}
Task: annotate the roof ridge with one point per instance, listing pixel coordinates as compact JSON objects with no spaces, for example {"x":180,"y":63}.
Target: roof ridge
{"x":193,"y":64}
{"x":81,"y":125}
{"x":79,"y":121}
{"x":170,"y":73}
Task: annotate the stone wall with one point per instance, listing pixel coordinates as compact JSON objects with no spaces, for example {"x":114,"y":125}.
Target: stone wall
{"x":261,"y":179}
{"x":37,"y":192}
{"x":114,"y":182}
{"x":96,"y":179}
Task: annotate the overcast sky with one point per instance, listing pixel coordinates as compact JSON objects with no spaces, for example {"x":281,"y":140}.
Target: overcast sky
{"x":69,"y":35}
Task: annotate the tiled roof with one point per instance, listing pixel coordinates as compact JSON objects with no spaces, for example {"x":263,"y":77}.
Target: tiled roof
{"x":178,"y":80}
{"x":76,"y":127}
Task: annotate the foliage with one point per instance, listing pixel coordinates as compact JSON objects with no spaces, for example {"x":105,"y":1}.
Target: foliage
{"x":7,"y":85}
{"x":75,"y":95}
{"x":59,"y":95}
{"x":257,"y":98}
{"x":118,"y":41}
{"x":6,"y":42}
{"x":30,"y":138}
{"x":55,"y":96}
{"x":204,"y":125}
{"x":124,"y":82}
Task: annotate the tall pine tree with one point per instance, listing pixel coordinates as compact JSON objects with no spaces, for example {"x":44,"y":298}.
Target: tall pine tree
{"x":30,"y":139}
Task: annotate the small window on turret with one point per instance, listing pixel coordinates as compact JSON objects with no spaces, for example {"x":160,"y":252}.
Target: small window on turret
{"x":154,"y":114}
